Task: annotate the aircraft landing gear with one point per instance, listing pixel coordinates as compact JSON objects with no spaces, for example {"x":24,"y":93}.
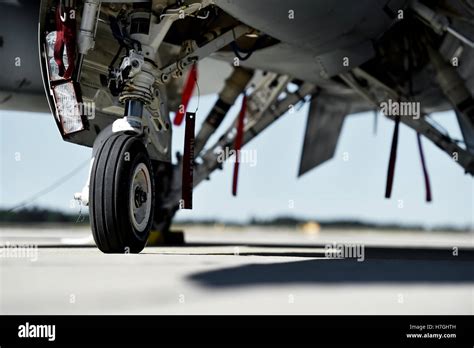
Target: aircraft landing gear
{"x":133,"y":186}
{"x":121,"y":195}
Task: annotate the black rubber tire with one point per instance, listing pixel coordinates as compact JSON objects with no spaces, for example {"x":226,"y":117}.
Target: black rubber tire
{"x":109,"y":194}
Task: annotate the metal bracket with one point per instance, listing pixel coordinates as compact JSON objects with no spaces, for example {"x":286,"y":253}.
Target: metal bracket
{"x":163,"y":75}
{"x":159,"y":31}
{"x":437,"y":22}
{"x":420,"y":125}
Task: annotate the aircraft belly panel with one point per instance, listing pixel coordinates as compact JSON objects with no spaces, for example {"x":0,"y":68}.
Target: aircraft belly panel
{"x":19,"y":60}
{"x":303,"y":64}
{"x":316,"y":25}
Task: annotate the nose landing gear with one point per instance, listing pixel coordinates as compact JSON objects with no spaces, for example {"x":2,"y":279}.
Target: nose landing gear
{"x":125,"y":193}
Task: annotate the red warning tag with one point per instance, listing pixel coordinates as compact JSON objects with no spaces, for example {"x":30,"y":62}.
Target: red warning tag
{"x":187,"y":94}
{"x":238,"y":143}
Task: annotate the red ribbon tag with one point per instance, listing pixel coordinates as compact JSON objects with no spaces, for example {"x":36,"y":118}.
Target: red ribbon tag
{"x":238,"y":143}
{"x":187,"y":94}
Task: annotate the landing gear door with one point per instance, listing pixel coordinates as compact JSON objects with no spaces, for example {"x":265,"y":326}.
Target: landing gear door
{"x":64,"y":94}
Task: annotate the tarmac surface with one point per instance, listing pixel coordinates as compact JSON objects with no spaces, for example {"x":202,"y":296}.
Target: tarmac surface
{"x":229,"y":270}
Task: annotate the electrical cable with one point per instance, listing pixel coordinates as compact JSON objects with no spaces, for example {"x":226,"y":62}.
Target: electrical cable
{"x":198,"y":95}
{"x":50,"y":188}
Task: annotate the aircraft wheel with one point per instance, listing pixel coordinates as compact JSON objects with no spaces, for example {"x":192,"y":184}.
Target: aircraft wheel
{"x":121,"y":195}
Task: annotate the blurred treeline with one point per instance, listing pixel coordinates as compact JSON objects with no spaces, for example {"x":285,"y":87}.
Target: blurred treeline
{"x":43,"y":215}
{"x":40,"y":215}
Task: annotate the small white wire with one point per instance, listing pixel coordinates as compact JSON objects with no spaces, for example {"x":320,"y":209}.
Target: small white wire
{"x":199,"y":94}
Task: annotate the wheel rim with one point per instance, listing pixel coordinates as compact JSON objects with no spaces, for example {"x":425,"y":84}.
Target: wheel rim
{"x":140,"y":197}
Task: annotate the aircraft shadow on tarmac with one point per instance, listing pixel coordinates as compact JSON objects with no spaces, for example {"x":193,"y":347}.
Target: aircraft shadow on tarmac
{"x":327,"y":271}
{"x":382,"y":265}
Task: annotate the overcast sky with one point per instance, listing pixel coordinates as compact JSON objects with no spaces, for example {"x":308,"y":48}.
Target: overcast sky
{"x":33,"y":156}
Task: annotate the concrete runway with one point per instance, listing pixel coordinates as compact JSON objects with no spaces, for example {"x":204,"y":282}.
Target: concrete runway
{"x":224,"y":270}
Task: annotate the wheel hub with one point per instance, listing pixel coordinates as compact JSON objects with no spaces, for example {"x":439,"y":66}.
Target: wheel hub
{"x":140,"y":197}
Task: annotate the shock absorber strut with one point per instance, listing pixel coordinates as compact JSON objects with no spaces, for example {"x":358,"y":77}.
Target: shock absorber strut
{"x":138,"y":89}
{"x":137,"y":71}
